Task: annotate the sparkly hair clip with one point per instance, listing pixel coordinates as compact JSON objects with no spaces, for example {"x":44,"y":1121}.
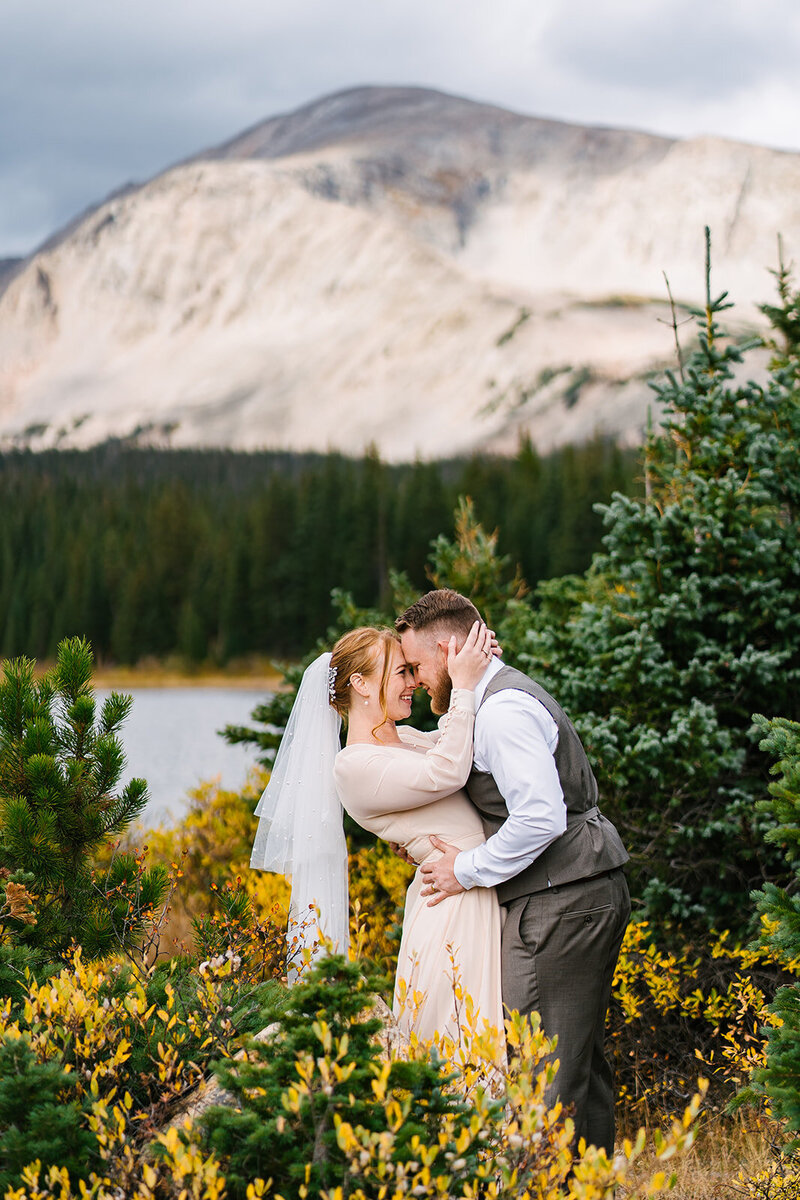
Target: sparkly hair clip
{"x":332,"y":672}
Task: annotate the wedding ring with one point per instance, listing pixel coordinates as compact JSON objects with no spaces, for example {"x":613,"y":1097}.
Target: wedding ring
{"x":487,"y":653}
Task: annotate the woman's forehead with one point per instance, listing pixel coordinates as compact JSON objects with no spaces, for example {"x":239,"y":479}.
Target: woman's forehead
{"x":396,"y":655}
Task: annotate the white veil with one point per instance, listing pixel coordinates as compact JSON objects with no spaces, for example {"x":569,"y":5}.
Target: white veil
{"x":300,"y":829}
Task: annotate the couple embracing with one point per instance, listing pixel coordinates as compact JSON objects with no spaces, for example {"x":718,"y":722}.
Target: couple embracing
{"x":519,"y":873}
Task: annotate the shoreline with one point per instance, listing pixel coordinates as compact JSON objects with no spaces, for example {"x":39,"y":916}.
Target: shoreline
{"x":256,"y":676}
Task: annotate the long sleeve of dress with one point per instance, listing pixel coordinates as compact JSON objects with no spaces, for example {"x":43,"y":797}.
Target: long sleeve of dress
{"x":374,"y":780}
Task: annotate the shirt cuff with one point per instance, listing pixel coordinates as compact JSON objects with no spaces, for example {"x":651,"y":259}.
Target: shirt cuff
{"x":462,"y":869}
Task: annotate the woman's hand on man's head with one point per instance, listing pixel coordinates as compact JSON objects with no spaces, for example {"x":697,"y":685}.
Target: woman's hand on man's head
{"x":467,"y":665}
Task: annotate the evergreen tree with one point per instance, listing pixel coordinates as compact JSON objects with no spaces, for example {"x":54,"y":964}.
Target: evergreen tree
{"x":273,"y":597}
{"x":471,"y":565}
{"x":60,"y":763}
{"x":687,"y":622}
{"x":235,"y":633}
{"x":780,"y":1079}
{"x":39,"y":1116}
{"x":419,"y":510}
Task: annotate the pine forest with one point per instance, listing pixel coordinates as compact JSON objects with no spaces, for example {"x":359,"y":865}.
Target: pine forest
{"x":214,"y":555}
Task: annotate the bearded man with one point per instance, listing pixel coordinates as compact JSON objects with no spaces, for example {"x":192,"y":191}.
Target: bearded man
{"x":554,"y":858}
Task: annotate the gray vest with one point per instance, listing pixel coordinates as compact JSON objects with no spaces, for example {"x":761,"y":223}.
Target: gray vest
{"x":590,"y":845}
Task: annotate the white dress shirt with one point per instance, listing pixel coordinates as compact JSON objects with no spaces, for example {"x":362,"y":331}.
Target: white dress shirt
{"x":515,"y":739}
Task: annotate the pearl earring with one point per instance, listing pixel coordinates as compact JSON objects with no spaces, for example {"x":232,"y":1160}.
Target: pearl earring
{"x":366,"y":701}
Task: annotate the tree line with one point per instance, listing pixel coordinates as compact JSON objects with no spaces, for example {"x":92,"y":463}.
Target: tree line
{"x":213,"y":555}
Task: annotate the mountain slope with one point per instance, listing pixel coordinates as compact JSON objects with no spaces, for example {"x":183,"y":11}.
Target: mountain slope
{"x":389,"y":266}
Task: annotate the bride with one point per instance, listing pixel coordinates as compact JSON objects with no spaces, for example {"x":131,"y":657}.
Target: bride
{"x":402,"y":785}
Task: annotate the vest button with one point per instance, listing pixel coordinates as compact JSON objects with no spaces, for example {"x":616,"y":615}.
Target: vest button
{"x":587,"y":920}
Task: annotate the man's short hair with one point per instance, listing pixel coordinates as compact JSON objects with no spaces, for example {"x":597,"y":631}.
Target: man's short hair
{"x":443,"y":609}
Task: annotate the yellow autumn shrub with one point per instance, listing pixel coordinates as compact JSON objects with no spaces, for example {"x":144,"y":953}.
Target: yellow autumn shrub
{"x":211,"y":850}
{"x":132,"y":1059}
{"x":677,"y":1011}
{"x":212,"y":847}
{"x":779,"y":1181}
{"x":96,"y":1029}
{"x":180,"y":1171}
{"x":378,"y":884}
{"x":513,"y":1146}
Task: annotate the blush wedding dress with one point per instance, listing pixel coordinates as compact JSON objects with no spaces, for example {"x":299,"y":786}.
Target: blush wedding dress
{"x":405,"y":794}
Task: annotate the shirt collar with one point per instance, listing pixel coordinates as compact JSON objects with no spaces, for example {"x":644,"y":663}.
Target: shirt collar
{"x":494,"y":666}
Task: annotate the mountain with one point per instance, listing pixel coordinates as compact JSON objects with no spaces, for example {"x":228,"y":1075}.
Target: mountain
{"x":389,"y":266}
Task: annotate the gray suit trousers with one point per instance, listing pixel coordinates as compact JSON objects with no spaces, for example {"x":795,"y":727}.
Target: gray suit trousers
{"x":559,"y":951}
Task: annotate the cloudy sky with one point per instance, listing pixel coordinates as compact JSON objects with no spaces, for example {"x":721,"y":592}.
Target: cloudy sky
{"x":95,"y":93}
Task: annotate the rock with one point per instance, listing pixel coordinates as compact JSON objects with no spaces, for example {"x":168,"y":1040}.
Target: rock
{"x":210,"y":1092}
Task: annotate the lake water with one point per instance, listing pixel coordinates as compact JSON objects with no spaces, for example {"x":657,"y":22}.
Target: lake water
{"x":171,"y":739}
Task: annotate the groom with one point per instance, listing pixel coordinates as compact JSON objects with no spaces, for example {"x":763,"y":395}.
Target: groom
{"x":554,"y":859}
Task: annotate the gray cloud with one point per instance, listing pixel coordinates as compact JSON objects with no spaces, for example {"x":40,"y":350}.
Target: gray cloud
{"x":698,"y":51}
{"x":94,"y":95}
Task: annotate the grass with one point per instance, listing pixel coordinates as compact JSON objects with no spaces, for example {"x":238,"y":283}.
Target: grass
{"x":727,"y":1152}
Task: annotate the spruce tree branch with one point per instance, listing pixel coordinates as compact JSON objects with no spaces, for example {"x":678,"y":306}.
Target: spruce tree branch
{"x":673,"y":310}
{"x":709,"y":309}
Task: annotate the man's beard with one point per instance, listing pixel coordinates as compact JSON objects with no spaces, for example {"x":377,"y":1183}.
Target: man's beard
{"x":440,"y":694}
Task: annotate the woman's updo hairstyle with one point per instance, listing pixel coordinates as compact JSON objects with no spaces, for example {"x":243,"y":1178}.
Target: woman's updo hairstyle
{"x":360,"y":652}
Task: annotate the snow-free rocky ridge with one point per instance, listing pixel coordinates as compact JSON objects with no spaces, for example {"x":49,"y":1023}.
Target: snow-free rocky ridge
{"x":387,"y":266}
